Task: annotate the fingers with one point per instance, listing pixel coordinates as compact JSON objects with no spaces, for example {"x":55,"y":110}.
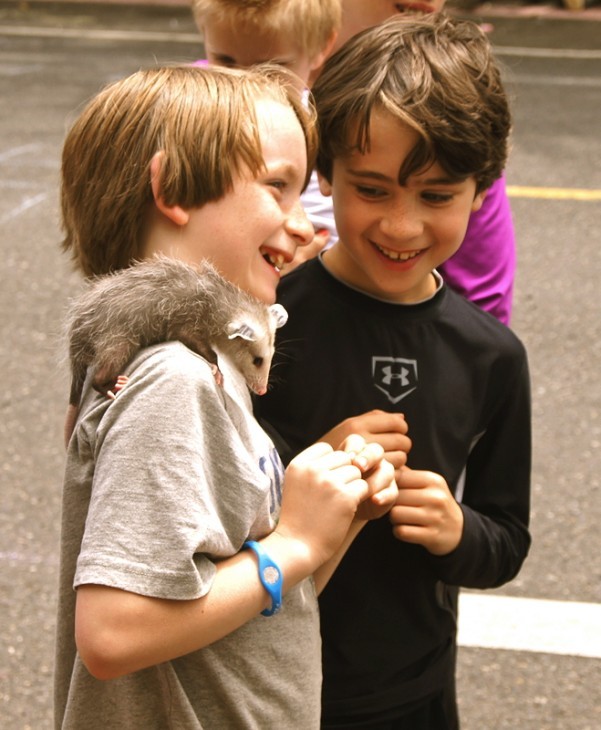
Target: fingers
{"x":311,"y":453}
{"x":339,"y":464}
{"x":387,"y":429}
{"x":364,"y":455}
{"x":426,"y":513}
{"x":386,"y":421}
{"x":410,"y":479}
{"x":386,"y":497}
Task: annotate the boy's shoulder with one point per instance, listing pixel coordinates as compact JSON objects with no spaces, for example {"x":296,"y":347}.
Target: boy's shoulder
{"x":169,"y":371}
{"x":476,"y":324}
{"x":310,"y":291}
{"x":325,"y":314}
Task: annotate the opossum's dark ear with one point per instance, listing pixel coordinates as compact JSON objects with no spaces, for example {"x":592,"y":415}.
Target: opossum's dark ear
{"x":279,"y":315}
{"x":241,"y":329}
{"x":175,"y":213}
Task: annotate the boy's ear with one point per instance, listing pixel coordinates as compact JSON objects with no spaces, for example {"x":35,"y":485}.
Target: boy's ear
{"x":478,"y":200}
{"x":325,"y":186}
{"x":175,"y":213}
{"x":318,"y":60}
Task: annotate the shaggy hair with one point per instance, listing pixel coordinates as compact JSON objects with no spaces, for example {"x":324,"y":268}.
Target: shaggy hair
{"x":307,"y":24}
{"x":435,"y":74}
{"x":204,"y":121}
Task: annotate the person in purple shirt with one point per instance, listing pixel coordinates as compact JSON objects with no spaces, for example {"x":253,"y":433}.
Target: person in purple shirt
{"x":483,"y":269}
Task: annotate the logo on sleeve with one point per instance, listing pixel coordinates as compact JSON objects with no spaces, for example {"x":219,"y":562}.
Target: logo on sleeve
{"x":396,"y":377}
{"x":273,"y":468}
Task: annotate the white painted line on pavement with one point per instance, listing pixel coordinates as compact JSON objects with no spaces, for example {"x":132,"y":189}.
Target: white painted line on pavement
{"x":530,"y":624}
{"x":490,"y":621}
{"x":591,"y":54}
{"x":25,"y":204}
{"x":542,"y":80}
{"x":101,"y":35}
{"x":181,"y":37}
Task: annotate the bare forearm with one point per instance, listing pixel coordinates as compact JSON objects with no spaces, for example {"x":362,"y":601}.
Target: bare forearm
{"x":119,"y":632}
{"x":323,"y":574}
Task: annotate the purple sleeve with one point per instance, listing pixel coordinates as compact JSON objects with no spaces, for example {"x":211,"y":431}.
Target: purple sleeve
{"x":483,"y":269}
{"x":200,"y":62}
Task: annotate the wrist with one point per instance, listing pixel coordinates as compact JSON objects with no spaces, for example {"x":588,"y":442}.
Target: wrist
{"x":270,"y":575}
{"x":292,"y":554}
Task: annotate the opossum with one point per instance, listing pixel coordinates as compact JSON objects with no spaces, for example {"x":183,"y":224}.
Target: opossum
{"x":163,"y":299}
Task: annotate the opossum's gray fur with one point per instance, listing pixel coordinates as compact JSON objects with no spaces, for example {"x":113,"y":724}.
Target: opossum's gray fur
{"x":163,"y":299}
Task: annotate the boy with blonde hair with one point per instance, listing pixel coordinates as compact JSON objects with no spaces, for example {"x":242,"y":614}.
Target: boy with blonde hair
{"x":414,"y":125}
{"x":179,"y":525}
{"x":296,"y":34}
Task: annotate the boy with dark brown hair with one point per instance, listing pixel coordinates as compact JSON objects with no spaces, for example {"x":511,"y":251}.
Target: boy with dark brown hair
{"x":414,"y":126}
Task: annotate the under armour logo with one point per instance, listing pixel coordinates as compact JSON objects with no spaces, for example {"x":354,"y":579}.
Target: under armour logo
{"x":389,"y":376}
{"x":396,"y":377}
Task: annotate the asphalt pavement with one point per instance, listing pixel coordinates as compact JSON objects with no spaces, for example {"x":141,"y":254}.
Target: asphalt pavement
{"x":53,"y":57}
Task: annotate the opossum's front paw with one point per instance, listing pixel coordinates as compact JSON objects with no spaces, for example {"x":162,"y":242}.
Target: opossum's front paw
{"x":217,"y":374}
{"x":120,"y":383}
{"x":111,"y":388}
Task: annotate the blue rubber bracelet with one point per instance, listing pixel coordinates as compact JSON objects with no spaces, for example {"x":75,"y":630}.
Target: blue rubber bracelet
{"x":270,"y":576}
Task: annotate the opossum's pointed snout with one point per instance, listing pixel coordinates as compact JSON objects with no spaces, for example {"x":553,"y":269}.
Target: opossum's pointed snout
{"x":259,"y":389}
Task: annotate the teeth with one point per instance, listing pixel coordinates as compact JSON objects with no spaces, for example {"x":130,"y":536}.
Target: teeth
{"x":277,"y":261}
{"x":397,"y":255}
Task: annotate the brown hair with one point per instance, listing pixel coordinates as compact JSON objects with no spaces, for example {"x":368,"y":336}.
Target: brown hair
{"x":434,"y":73}
{"x":203,"y":119}
{"x":306,"y":24}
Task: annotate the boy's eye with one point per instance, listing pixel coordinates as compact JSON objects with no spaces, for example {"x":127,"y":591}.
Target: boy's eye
{"x":277,"y":184}
{"x":437,"y":197}
{"x":219,"y":60}
{"x":370,"y":192}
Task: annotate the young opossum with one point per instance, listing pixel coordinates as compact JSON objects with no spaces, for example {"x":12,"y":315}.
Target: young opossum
{"x":163,"y":299}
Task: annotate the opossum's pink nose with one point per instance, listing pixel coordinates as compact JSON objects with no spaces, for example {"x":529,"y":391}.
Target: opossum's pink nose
{"x":260,"y":391}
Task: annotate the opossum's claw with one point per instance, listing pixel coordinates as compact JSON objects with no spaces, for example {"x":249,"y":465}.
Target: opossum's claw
{"x":121,"y":382}
{"x":111,"y":388}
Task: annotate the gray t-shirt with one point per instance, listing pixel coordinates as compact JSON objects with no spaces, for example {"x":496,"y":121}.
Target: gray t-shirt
{"x":160,"y":484}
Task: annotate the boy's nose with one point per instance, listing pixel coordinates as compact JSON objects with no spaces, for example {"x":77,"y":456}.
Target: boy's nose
{"x":299,"y":226}
{"x":402,"y":222}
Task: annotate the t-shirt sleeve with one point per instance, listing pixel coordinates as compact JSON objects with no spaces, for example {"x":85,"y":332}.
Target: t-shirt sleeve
{"x":169,"y":475}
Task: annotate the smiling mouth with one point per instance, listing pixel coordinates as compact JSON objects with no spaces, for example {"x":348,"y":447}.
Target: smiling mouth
{"x":277,"y":260}
{"x":397,"y":255}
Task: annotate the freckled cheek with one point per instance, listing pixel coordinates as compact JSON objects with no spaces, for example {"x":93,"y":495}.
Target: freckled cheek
{"x":352,"y":217}
{"x":452,"y":230}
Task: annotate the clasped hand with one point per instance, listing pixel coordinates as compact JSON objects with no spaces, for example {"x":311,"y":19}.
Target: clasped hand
{"x":327,"y":489}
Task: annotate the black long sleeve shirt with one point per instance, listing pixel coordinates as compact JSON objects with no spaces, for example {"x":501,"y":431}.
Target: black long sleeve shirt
{"x":389,"y":613}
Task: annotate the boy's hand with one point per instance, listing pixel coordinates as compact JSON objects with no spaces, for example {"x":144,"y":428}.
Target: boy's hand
{"x":322,"y":491}
{"x":426,"y":513}
{"x":304,"y":253}
{"x":387,"y":429}
{"x":379,"y":475}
